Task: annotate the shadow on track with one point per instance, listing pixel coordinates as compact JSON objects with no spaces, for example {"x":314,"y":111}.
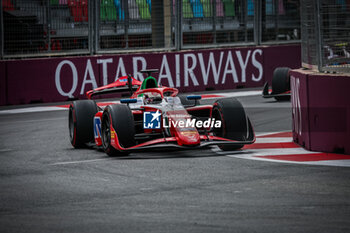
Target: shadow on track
{"x":175,"y":154}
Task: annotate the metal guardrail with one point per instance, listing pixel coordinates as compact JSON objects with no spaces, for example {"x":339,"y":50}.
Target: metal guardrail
{"x":59,"y":27}
{"x":44,"y":27}
{"x":326,"y":35}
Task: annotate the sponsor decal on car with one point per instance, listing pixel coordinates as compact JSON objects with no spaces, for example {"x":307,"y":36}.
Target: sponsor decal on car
{"x":152,"y":120}
{"x":112,"y":134}
{"x":97,"y":127}
{"x":189,"y":133}
{"x":190,"y":123}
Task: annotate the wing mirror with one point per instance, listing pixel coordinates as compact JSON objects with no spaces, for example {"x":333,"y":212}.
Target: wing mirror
{"x":128,"y":101}
{"x":195,"y":98}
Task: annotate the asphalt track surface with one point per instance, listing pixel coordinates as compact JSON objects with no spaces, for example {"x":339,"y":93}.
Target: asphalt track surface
{"x":47,"y":186}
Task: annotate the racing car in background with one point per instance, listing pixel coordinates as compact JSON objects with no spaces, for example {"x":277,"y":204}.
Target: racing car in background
{"x":280,"y":85}
{"x":151,"y":119}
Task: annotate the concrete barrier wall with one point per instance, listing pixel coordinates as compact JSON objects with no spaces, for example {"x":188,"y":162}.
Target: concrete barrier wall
{"x":3,"y":86}
{"x":321,"y":111}
{"x":58,"y":79}
{"x":300,"y":114}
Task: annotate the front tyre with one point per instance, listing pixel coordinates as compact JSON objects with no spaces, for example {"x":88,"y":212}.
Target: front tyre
{"x":118,"y":117}
{"x":234,"y":122}
{"x":80,"y":122}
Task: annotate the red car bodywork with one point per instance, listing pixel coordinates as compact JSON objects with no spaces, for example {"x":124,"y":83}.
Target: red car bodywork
{"x":178,"y":137}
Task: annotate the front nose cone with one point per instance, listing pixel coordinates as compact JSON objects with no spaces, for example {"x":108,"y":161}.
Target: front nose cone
{"x":188,"y":138}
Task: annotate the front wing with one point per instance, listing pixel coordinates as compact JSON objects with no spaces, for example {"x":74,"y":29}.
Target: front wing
{"x":172,"y":142}
{"x":267,"y":94}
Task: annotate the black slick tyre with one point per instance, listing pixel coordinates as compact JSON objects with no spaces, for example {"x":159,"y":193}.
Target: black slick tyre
{"x":281,"y":82}
{"x":80,"y":122}
{"x":234,"y":122}
{"x":122,"y":120}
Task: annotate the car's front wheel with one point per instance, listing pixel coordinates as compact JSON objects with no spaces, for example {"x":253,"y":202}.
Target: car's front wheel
{"x":118,"y":125}
{"x":234,"y":122}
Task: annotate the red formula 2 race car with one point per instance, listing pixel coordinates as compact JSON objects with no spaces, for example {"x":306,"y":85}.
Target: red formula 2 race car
{"x":280,"y":85}
{"x":155,"y":117}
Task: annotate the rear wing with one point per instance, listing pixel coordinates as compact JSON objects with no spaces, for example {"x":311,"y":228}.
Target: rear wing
{"x":122,"y":84}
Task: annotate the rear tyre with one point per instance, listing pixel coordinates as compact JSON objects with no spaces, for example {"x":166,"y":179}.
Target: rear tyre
{"x":120,"y":117}
{"x":234,"y":122}
{"x":80,"y":122}
{"x":281,"y":82}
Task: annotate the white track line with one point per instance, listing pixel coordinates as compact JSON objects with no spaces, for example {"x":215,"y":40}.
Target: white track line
{"x":269,"y":133}
{"x":79,"y":161}
{"x":333,"y":163}
{"x":337,"y":163}
{"x":233,"y":94}
{"x":31,"y":121}
{"x":240,"y":93}
{"x":55,"y":108}
{"x":32,"y":109}
{"x":275,"y":151}
{"x":273,"y":140}
{"x":5,"y":150}
{"x":258,"y":154}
